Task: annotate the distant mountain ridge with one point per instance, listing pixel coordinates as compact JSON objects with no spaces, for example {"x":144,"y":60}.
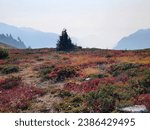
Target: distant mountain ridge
{"x":137,"y":40}
{"x":31,"y":37}
{"x":9,"y":40}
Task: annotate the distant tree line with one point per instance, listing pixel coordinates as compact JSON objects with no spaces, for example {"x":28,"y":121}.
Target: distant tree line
{"x":8,"y":39}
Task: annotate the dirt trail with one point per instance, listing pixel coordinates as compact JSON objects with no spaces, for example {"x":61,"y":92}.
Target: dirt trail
{"x":29,"y":75}
{"x":46,"y":102}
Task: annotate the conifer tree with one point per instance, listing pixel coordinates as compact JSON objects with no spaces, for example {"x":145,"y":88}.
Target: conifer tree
{"x":64,"y":42}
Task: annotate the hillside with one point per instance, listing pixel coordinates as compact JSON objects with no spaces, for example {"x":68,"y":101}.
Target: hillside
{"x":6,"y":46}
{"x":9,"y":40}
{"x":31,"y":37}
{"x":137,"y":40}
{"x":88,"y":80}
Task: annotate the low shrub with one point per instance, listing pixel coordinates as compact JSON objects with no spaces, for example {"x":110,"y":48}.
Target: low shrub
{"x":10,"y":83}
{"x":62,"y":107}
{"x":62,"y":73}
{"x":110,"y":97}
{"x":129,"y":68}
{"x":66,"y":72}
{"x":146,"y":81}
{"x":64,"y":94}
{"x":45,"y":71}
{"x":3,"y":53}
{"x":143,"y":99}
{"x":2,"y":62}
{"x":10,"y":69}
{"x":137,"y":87}
{"x":123,"y":77}
{"x":102,"y":100}
{"x":88,"y":86}
{"x":15,"y":96}
{"x":77,"y":99}
{"x":73,"y":104}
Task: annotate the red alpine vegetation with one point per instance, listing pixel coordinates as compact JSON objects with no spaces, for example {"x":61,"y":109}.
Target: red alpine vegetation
{"x":143,"y":99}
{"x":15,"y":95}
{"x":88,"y":86}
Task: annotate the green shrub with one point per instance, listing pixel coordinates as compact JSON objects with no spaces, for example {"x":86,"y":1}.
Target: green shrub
{"x":102,"y":100}
{"x":3,"y":53}
{"x":81,"y":109}
{"x":62,"y":107}
{"x":77,"y":100}
{"x":128,"y":68}
{"x":94,"y":76}
{"x":10,"y":69}
{"x":10,"y":82}
{"x":136,"y":87}
{"x":146,"y":81}
{"x":66,"y":72}
{"x":124,"y":103}
{"x":64,"y":94}
{"x":71,"y":104}
{"x":45,"y":71}
{"x":110,"y":97}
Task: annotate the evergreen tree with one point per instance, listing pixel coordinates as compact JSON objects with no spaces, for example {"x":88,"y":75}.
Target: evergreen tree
{"x":64,"y":42}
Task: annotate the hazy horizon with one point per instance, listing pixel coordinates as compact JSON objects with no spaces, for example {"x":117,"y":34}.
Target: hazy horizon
{"x":96,"y":23}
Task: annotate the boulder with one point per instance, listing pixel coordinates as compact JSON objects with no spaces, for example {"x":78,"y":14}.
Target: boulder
{"x":87,"y":79}
{"x":134,"y":109}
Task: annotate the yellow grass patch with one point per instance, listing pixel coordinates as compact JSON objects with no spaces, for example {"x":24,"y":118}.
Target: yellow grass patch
{"x":134,"y":59}
{"x":91,"y":71}
{"x":86,"y":59}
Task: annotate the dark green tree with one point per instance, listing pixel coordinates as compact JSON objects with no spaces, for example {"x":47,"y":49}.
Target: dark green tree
{"x":64,"y":43}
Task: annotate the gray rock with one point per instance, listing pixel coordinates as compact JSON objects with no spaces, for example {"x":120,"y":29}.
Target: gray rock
{"x":134,"y":109}
{"x":87,"y":79}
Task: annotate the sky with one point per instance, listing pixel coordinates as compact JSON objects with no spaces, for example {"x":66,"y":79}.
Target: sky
{"x":96,"y":23}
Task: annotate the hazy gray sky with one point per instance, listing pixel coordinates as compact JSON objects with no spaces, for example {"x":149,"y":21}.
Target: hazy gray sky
{"x":97,"y":23}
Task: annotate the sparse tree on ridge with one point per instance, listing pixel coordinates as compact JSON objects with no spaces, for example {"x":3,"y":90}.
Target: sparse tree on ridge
{"x":64,"y":43}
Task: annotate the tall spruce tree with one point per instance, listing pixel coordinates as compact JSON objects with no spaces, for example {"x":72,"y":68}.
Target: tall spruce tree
{"x":64,"y":43}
